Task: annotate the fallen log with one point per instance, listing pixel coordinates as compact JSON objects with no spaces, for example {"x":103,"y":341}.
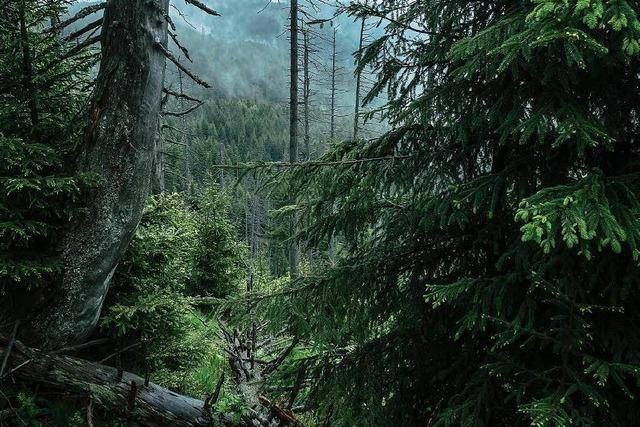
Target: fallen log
{"x":126,"y":395}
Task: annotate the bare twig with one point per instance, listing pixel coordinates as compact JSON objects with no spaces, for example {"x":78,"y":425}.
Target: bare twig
{"x":82,"y":346}
{"x":184,"y":50}
{"x":90,"y":413}
{"x":119,"y":352}
{"x":180,"y":95}
{"x":181,"y":113}
{"x":14,"y":370}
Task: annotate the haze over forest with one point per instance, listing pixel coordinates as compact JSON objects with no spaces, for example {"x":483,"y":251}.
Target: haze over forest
{"x":246,"y":53}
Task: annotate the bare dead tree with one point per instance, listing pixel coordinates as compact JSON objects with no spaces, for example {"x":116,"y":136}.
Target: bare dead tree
{"x":294,"y":250}
{"x":356,"y":112}
{"x":306,"y":92}
{"x":332,"y":131}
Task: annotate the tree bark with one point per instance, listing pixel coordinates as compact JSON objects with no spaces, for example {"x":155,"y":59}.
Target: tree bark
{"x":118,"y":148}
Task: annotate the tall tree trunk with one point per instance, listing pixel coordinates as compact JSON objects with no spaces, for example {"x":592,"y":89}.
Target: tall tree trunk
{"x":306,"y":94}
{"x":294,"y":250}
{"x":188,"y":176}
{"x":159,"y":183}
{"x":356,"y":112}
{"x":118,"y":148}
{"x":222,"y":180}
{"x":332,"y":131}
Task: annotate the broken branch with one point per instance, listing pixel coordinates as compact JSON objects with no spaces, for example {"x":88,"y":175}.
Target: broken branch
{"x":202,"y":7}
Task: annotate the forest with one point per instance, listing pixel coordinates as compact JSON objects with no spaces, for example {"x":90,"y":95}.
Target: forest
{"x":319,"y":213}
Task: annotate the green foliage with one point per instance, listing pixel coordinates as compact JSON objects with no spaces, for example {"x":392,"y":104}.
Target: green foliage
{"x":217,"y":253}
{"x":150,"y":299}
{"x":23,"y":408}
{"x":487,"y":273}
{"x":38,"y":132}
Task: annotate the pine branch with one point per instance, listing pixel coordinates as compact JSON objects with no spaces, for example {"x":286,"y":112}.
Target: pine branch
{"x":266,"y":165}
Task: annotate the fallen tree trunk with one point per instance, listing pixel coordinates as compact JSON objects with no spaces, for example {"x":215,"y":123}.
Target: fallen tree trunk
{"x":121,"y":393}
{"x":133,"y":398}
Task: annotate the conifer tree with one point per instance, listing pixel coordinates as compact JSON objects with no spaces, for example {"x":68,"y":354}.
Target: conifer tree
{"x":492,"y":234}
{"x":42,"y":93}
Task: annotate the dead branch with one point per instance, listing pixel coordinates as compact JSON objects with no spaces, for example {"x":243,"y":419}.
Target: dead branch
{"x":180,"y":95}
{"x":84,"y":12}
{"x":184,"y":50}
{"x":213,"y":397}
{"x":283,"y":414}
{"x":202,"y":7}
{"x":177,"y":63}
{"x":181,"y":113}
{"x":274,"y":364}
{"x":82,"y":346}
{"x":91,"y":26}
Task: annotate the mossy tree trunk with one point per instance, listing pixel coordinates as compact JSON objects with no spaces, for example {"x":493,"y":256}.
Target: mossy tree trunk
{"x":118,"y":147}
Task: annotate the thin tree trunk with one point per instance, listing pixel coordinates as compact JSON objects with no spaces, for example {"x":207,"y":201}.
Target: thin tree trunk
{"x":159,"y":182}
{"x":332,"y":132}
{"x":306,"y":95}
{"x":294,"y":251}
{"x":118,"y":148}
{"x":222,"y":180}
{"x":356,"y":112}
{"x":188,"y":176}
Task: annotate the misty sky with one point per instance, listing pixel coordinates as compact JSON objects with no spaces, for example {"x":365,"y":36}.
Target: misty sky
{"x":245,"y":52}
